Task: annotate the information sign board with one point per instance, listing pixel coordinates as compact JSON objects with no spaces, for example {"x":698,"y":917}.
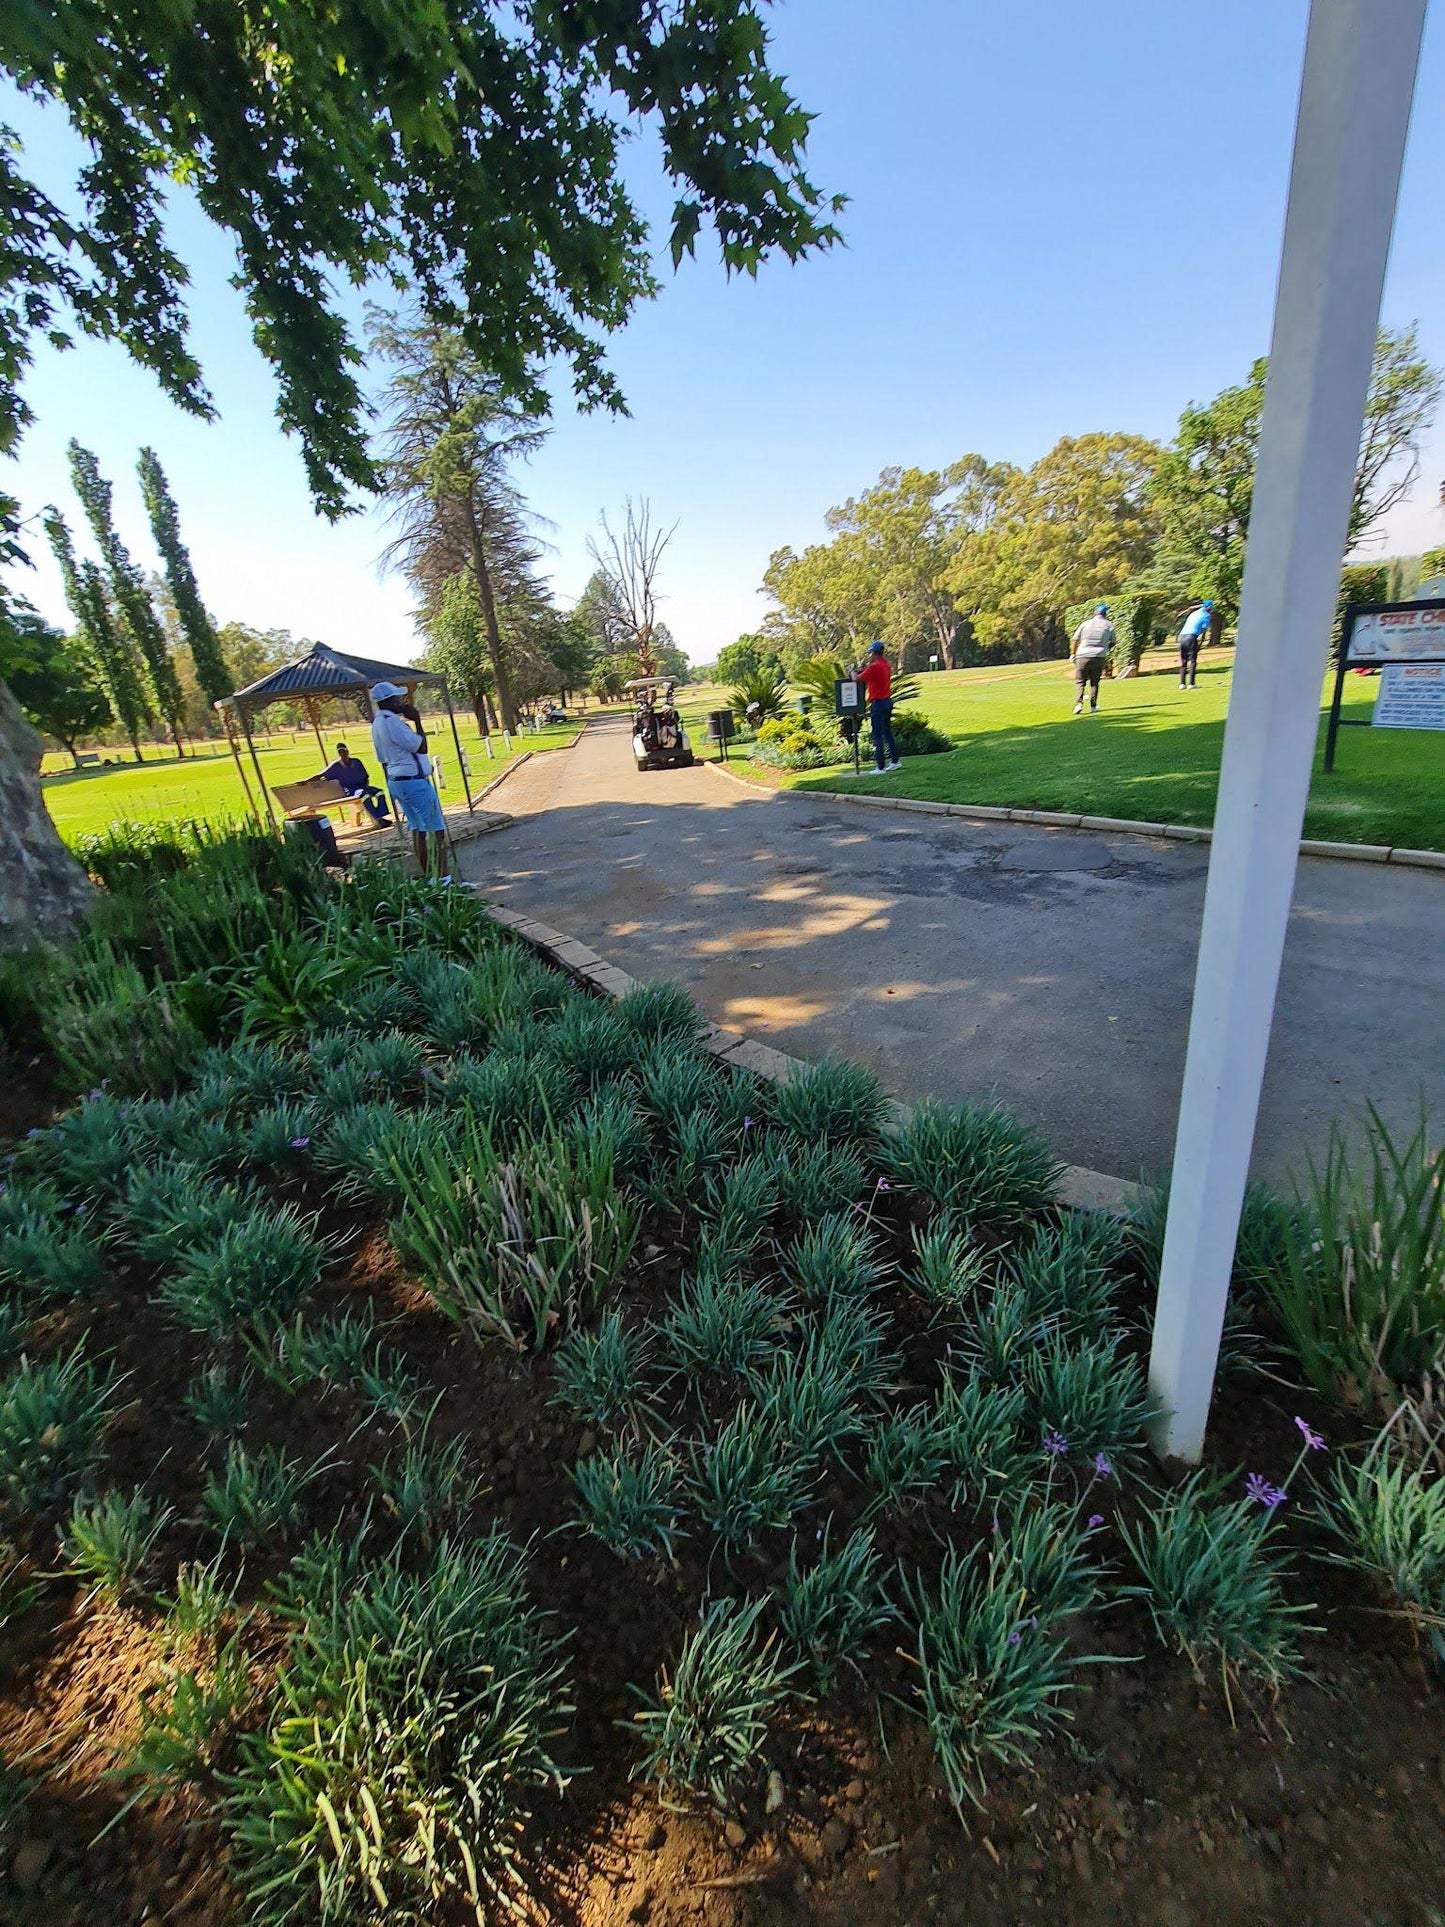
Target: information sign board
{"x":1411,"y":696}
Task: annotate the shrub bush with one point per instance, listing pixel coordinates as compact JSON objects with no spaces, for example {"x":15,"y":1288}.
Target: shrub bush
{"x":916,"y":736}
{"x":415,"y":1718}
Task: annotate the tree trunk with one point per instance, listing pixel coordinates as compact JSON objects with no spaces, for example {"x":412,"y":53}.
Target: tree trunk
{"x":489,"y":621}
{"x":43,"y":890}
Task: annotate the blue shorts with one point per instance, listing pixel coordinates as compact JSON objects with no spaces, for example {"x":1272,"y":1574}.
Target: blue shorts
{"x":419,"y":803}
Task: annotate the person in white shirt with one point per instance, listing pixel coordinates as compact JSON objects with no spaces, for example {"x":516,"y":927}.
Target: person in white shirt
{"x":400,"y":744}
{"x":1092,"y":642}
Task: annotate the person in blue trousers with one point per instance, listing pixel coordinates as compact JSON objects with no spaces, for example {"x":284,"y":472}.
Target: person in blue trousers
{"x":876,"y":676}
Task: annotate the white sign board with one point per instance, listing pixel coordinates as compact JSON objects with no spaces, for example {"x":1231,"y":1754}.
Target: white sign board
{"x":1411,"y":696}
{"x":1413,"y":634}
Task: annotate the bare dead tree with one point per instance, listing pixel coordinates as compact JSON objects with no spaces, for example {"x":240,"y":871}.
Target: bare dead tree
{"x":629,"y":561}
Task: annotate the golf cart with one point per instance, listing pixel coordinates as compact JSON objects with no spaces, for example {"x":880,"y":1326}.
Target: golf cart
{"x":659,"y":740}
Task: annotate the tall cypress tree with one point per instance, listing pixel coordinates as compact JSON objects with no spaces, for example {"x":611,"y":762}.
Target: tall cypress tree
{"x":102,"y":638}
{"x":136,"y":608}
{"x":196,"y":625}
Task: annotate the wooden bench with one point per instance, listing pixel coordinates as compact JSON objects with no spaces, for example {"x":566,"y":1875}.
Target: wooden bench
{"x":317,"y":796}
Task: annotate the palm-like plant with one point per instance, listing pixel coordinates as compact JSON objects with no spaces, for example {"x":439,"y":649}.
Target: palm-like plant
{"x":764,"y":692}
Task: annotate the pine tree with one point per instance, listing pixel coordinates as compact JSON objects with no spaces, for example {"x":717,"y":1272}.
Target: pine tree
{"x":196,"y":625}
{"x":102,"y":638}
{"x":137,"y":611}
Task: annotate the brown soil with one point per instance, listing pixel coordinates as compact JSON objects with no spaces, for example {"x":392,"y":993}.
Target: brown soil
{"x":1150,"y":1807}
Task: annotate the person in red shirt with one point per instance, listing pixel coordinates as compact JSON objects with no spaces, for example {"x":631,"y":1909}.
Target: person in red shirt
{"x":876,"y":676}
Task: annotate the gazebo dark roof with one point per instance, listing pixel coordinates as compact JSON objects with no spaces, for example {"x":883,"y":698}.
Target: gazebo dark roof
{"x":325,"y":672}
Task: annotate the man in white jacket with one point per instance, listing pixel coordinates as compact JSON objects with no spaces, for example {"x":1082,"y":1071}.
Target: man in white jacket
{"x":400,"y":744}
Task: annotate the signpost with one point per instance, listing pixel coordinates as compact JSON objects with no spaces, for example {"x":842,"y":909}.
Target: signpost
{"x":1392,"y":636}
{"x":848,"y":708}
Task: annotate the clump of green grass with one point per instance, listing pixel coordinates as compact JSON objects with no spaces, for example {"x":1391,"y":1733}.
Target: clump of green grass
{"x":674,"y":1084}
{"x":53,"y":1416}
{"x":817,"y":1180}
{"x":1089,"y":1398}
{"x":342,"y":1349}
{"x":609,"y":1124}
{"x":413,"y":1726}
{"x":833,"y":1606}
{"x":632,"y":1501}
{"x":833,"y":1259}
{"x":250,"y":1073}
{"x":601,"y":1376}
{"x":695,"y":1150}
{"x":46,"y":1254}
{"x":188,"y":1129}
{"x":1213,"y":1577}
{"x":1067,"y":1273}
{"x":20,"y":1588}
{"x":510,"y":1092}
{"x":1006,"y":1333}
{"x":189,"y":1721}
{"x":257,"y":1267}
{"x":833,"y":1101}
{"x":1360,"y":1293}
{"x":948,"y":1268}
{"x":703,"y":1729}
{"x":15,"y":1327}
{"x":977,"y":1162}
{"x":747,"y":1481}
{"x":738,"y":1204}
{"x":278,"y":1137}
{"x":202,"y":1601}
{"x":1388,"y":1516}
{"x":993,"y":1669}
{"x":811,"y":1395}
{"x":721,"y":1323}
{"x":257,"y":1495}
{"x":907,"y":1458}
{"x":428,"y":1488}
{"x":982,"y":1426}
{"x":172,"y":1208}
{"x":660,"y":1013}
{"x":362,"y":1149}
{"x":217,"y":1399}
{"x":88,"y":1152}
{"x":110,"y":1541}
{"x":591,"y":1040}
{"x":516,"y":1248}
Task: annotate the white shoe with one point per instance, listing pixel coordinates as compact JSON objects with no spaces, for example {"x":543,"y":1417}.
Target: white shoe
{"x":1078,"y":709}
{"x":895,"y":764}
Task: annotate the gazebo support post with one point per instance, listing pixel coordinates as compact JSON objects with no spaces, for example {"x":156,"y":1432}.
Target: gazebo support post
{"x":256,"y":765}
{"x":229,"y":720}
{"x":313,"y":716}
{"x":1359,"y":78}
{"x":461,"y":761}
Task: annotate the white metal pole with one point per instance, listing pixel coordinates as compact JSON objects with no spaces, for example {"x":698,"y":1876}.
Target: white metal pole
{"x":1354,"y":108}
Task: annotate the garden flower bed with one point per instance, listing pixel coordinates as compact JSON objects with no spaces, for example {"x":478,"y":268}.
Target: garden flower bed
{"x":465,"y":1453}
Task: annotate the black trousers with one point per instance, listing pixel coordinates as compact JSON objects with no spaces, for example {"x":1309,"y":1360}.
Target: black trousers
{"x":1188,"y":661}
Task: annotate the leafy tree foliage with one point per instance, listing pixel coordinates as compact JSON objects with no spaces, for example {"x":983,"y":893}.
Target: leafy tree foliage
{"x":100,"y":636}
{"x":52,"y":681}
{"x":135,"y":612}
{"x":451,"y":440}
{"x":1204,"y":488}
{"x":748,"y":656}
{"x":195,"y":623}
{"x":468,"y":148}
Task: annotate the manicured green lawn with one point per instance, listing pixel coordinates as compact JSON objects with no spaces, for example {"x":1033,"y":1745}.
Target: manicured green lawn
{"x":206,"y":787}
{"x":1151,"y":753}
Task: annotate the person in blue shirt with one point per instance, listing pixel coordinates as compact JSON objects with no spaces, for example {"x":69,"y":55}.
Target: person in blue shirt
{"x":1196,"y":627}
{"x":348,"y":772}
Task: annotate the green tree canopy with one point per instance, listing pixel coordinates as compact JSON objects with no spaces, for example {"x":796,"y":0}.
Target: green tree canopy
{"x":465,"y":148}
{"x":53,"y":681}
{"x":195,"y":623}
{"x":748,"y":656}
{"x":100,"y":635}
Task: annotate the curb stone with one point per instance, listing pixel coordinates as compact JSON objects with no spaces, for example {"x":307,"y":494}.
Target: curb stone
{"x":1079,"y":1188}
{"x":1112,"y":825}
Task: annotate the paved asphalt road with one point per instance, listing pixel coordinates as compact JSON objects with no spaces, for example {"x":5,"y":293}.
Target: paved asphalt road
{"x":1052,"y":968}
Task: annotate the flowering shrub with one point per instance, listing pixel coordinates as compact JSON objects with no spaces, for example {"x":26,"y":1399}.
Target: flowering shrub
{"x":791,"y":742}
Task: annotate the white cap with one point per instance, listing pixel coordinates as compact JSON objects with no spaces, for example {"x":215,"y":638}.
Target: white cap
{"x":381,"y":691}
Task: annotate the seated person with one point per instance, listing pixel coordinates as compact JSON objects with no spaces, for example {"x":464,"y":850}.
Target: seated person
{"x":349,"y":773}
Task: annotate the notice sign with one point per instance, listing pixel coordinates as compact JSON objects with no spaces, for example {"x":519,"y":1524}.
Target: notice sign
{"x":1399,"y":632}
{"x":1411,"y":696}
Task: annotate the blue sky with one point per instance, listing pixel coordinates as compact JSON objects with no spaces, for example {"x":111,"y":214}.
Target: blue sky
{"x":1061,"y":218}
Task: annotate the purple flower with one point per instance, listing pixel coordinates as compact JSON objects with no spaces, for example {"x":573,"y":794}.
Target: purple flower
{"x":1095,"y":1519}
{"x":34,"y":1131}
{"x":1262,"y":1492}
{"x":299,"y":1143}
{"x":1312,"y":1439}
{"x":748,"y":1123}
{"x":1014,"y":1637}
{"x":1055,"y":1444}
{"x":1102,"y":1466}
{"x":883,"y":1185}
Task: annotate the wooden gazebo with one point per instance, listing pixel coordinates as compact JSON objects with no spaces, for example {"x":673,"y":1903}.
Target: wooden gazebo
{"x":321,"y":676}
